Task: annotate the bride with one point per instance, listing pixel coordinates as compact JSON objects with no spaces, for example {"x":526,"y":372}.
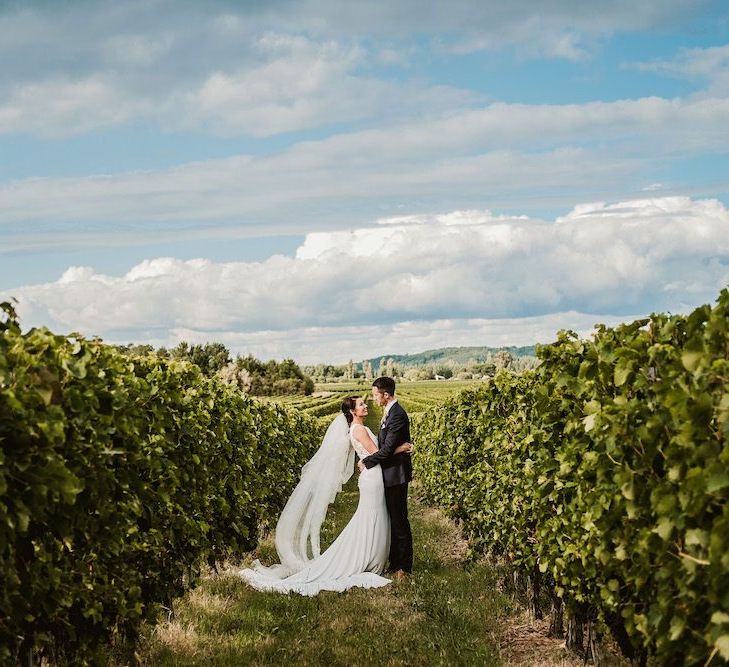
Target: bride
{"x":358,"y":555}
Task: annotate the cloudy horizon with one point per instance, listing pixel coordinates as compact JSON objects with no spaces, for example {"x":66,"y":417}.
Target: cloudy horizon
{"x":325,"y":180}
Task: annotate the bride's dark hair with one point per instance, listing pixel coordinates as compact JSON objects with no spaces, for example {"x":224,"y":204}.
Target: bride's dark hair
{"x":348,"y":404}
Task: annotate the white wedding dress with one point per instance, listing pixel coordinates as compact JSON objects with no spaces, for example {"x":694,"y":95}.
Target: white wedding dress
{"x":356,"y":558}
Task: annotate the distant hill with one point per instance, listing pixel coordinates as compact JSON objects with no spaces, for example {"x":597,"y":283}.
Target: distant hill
{"x":459,"y":355}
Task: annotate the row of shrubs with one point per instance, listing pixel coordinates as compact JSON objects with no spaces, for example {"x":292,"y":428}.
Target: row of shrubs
{"x":118,"y":477}
{"x":603,"y":476}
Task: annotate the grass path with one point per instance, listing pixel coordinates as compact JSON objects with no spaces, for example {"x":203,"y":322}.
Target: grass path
{"x":445,"y":614}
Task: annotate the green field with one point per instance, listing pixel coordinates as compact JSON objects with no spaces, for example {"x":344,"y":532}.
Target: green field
{"x":415,"y":397}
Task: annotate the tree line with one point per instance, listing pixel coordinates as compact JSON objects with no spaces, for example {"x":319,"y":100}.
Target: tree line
{"x":250,"y":375}
{"x":443,"y":369}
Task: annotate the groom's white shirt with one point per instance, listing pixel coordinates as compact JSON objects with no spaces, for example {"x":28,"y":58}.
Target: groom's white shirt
{"x":389,"y":404}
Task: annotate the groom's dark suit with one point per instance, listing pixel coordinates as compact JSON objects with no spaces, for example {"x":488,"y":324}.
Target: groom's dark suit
{"x":397,"y":471}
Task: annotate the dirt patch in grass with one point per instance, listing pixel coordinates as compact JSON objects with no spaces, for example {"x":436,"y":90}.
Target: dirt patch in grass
{"x":524,"y":641}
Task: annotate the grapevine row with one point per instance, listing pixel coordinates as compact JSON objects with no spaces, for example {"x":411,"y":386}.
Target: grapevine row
{"x":603,"y":477}
{"x":119,"y":476}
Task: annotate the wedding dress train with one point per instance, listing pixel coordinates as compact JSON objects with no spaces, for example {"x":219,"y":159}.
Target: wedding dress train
{"x":358,"y":555}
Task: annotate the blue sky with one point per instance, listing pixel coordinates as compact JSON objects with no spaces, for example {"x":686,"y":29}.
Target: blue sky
{"x":215,"y":171}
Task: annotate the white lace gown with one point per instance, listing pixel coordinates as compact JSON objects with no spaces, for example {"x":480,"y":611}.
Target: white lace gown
{"x":356,"y":558}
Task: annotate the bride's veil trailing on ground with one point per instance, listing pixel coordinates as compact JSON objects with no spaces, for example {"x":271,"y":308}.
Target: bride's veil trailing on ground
{"x":297,"y":530}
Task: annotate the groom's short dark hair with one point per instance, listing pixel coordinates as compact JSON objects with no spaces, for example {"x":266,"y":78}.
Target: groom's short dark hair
{"x":385,"y":384}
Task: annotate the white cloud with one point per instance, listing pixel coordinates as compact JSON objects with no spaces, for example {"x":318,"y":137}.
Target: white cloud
{"x":304,"y":84}
{"x":313,"y":345}
{"x":532,"y":39}
{"x":501,"y":154}
{"x":708,"y":66}
{"x":63,"y":106}
{"x":267,"y":84}
{"x":398,"y":145}
{"x":137,"y":49}
{"x":607,"y":259}
{"x":257,"y":69}
{"x":564,"y":29}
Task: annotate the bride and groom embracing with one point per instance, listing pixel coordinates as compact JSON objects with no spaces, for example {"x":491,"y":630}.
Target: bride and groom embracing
{"x":378,"y":531}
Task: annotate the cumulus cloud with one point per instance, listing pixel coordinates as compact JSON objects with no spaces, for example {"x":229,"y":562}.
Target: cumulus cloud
{"x":600,"y":260}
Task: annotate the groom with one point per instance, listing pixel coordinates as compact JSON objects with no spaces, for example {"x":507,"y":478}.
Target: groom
{"x":397,"y":471}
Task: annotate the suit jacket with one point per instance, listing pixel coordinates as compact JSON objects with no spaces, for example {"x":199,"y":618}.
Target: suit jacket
{"x":396,"y":468}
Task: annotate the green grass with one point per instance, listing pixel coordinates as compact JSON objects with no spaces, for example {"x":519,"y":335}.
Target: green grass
{"x":446,"y":614}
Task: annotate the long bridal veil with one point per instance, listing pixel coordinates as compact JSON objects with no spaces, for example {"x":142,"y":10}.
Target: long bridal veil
{"x":297,"y":530}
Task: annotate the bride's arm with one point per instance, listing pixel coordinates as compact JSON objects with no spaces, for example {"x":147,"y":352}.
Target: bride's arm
{"x":363,"y":438}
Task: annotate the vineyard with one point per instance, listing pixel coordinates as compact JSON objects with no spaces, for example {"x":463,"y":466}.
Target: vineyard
{"x":119,"y":478}
{"x":121,"y":475}
{"x":600,"y":479}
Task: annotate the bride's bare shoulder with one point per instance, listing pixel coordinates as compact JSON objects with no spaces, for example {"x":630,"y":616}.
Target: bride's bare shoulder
{"x":358,"y":432}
